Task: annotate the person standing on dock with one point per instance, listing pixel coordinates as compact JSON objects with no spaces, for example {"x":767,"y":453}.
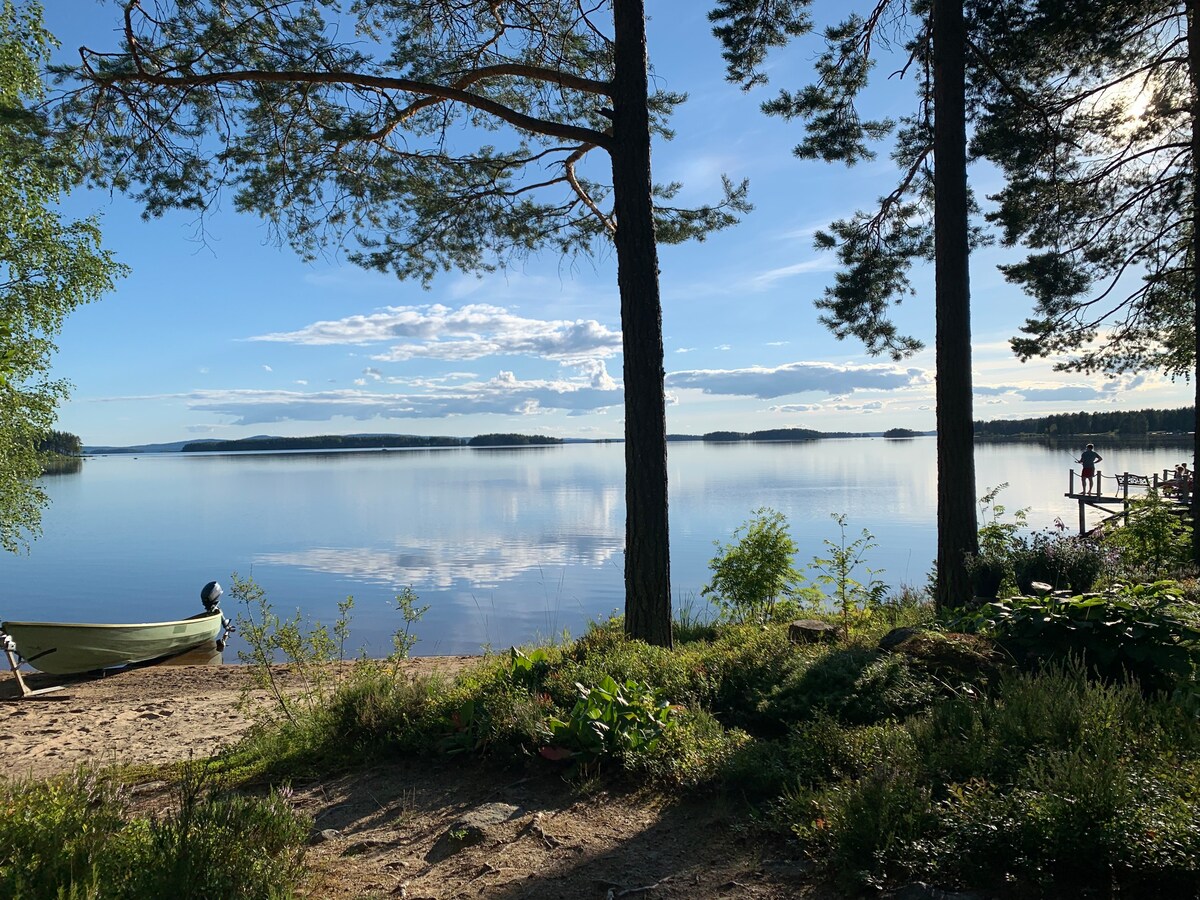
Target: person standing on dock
{"x":1088,"y":459}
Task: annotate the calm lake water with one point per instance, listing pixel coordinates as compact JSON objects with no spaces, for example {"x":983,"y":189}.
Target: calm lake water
{"x":504,"y":545}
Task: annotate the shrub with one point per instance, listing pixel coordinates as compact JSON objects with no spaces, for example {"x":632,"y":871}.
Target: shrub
{"x":216,"y":845}
{"x":1154,"y":542}
{"x":1065,"y":562}
{"x":1129,"y":631}
{"x":756,"y":570}
{"x":74,"y":837}
{"x":855,"y":686}
{"x":836,"y":570}
{"x":54,"y":833}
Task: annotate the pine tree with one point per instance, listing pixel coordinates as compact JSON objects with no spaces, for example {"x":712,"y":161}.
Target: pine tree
{"x":429,"y":135}
{"x":925,"y":218}
{"x":1097,"y":134}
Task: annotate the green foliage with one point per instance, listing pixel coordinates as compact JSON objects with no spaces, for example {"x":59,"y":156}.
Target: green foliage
{"x":854,"y":686}
{"x":609,"y":719}
{"x":836,"y":570}
{"x":999,"y":540}
{"x":75,"y":837}
{"x":756,"y":570}
{"x":309,"y":651}
{"x":48,"y":268}
{"x":1063,"y":561}
{"x":1055,"y":785}
{"x":998,"y":537}
{"x":747,"y":29}
{"x":1126,"y":631}
{"x":53,"y":833}
{"x":1093,"y":188}
{"x":61,"y":442}
{"x":217,"y":845}
{"x":1155,"y":542}
{"x":403,"y":640}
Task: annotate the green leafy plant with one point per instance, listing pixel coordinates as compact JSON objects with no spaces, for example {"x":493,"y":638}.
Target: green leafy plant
{"x":1155,"y":541}
{"x":1063,"y":561}
{"x":75,"y":837}
{"x":998,"y":540}
{"x":1128,"y":630}
{"x":403,"y":640}
{"x":752,"y":573}
{"x":609,"y":719}
{"x":837,"y":569}
{"x":998,"y":537}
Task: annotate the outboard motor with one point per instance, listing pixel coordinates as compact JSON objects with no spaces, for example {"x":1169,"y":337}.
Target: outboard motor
{"x":210,"y":596}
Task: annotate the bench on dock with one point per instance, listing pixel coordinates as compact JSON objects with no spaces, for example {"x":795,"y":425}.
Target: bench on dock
{"x":1127,"y":479}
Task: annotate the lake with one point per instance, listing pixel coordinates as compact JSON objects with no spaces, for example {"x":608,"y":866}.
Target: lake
{"x":504,"y":545}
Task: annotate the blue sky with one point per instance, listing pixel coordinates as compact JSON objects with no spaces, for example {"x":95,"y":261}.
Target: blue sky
{"x":230,"y":335}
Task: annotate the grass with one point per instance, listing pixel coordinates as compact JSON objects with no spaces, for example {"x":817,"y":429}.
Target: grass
{"x":75,"y":837}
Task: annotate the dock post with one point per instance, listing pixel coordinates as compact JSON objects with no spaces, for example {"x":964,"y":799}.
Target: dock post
{"x":1071,"y":483}
{"x":1082,"y":518}
{"x":1125,"y":501}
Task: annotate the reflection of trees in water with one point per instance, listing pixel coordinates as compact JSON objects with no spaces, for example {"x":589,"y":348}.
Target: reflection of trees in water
{"x":57,"y":464}
{"x":1133,"y":442}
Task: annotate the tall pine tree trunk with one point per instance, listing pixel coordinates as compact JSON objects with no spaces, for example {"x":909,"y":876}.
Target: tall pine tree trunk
{"x":647,"y":554}
{"x":1193,"y":46}
{"x":957,"y":535}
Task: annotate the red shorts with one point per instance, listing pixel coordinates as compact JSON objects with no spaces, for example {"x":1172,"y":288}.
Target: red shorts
{"x":1089,"y":471}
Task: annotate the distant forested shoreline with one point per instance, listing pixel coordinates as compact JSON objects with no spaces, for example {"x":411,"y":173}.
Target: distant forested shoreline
{"x":1124,"y":423}
{"x":1156,"y":423}
{"x":366,"y":442}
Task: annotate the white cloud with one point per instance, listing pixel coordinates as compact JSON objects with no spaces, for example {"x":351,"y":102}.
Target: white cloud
{"x":1076,"y":392}
{"x":503,"y":395}
{"x":469,"y":332}
{"x":795,"y":408}
{"x":764,"y":280}
{"x":797,"y":378}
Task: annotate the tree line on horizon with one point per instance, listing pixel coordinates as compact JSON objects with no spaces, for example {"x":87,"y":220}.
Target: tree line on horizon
{"x":1127,"y":422}
{"x":366,"y":442}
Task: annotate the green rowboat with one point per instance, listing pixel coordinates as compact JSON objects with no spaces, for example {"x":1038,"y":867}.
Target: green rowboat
{"x":69,"y":648}
{"x":63,"y":648}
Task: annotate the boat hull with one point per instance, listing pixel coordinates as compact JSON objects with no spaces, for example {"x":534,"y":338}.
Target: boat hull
{"x":64,"y":648}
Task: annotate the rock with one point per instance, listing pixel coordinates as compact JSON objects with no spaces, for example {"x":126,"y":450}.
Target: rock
{"x":814,"y":631}
{"x":950,"y":657}
{"x":896,"y":637}
{"x":471,"y":829}
{"x":1041,"y":588}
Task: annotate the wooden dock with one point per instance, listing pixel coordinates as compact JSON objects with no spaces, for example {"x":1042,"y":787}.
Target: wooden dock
{"x":1114,"y":493}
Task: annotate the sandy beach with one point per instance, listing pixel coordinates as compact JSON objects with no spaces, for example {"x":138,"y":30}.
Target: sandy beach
{"x":150,"y":715}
